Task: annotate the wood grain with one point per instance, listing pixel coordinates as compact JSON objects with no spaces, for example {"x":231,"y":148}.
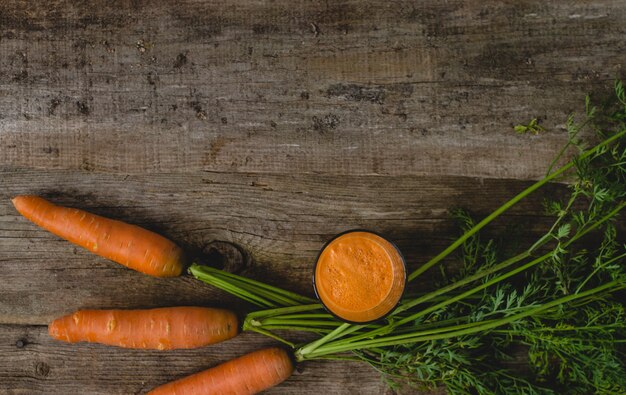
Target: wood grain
{"x":272,"y":125}
{"x":349,"y":87}
{"x":32,"y":363}
{"x":280,"y":220}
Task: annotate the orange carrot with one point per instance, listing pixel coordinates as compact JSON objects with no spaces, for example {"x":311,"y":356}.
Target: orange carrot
{"x":130,"y":245}
{"x":248,"y":374}
{"x":164,"y":328}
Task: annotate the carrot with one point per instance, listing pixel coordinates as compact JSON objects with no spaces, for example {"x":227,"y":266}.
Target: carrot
{"x":164,"y":328}
{"x":129,"y":245}
{"x":247,"y":374}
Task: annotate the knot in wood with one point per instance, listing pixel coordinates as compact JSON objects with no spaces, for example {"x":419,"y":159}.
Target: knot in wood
{"x":42,"y":369}
{"x":226,"y":256}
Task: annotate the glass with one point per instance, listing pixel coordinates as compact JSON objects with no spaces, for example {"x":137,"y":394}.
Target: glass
{"x":359,"y":276}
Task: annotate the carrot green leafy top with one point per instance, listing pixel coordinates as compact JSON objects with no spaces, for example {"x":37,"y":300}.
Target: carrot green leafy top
{"x":554,"y":299}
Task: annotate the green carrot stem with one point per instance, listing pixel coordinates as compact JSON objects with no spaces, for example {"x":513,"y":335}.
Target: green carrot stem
{"x":277,"y":299}
{"x":462,"y":282}
{"x":608,"y":327}
{"x":341,"y":358}
{"x":319,"y":331}
{"x":489,"y":283}
{"x":306,"y":350}
{"x":436,"y":324}
{"x":273,"y":336}
{"x":404,"y":339}
{"x":496,"y":268}
{"x":486,"y":221}
{"x":197,"y":270}
{"x":235,"y":290}
{"x":257,"y":284}
{"x":284,"y":310}
{"x":597,"y":269}
{"x":515,"y":271}
{"x":278,"y":321}
{"x":510,"y":204}
{"x":473,"y":290}
{"x":565,"y":147}
{"x":439,"y":292}
{"x":329,"y":337}
{"x":352,"y":329}
{"x":306,"y":316}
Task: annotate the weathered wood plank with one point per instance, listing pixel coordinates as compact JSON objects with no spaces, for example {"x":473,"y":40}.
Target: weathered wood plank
{"x":32,"y":363}
{"x":268,"y":125}
{"x":281,"y":220}
{"x":352,"y":87}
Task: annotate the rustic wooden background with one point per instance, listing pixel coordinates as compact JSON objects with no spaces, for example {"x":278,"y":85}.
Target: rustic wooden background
{"x":273,"y":125}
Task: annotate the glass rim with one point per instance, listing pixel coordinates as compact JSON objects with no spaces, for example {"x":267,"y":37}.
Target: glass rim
{"x":402,"y":261}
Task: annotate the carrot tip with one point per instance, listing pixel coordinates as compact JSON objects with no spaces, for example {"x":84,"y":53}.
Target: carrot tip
{"x":19,"y":201}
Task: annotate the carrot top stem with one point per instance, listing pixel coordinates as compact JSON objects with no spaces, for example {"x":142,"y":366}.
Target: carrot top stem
{"x":256,"y":292}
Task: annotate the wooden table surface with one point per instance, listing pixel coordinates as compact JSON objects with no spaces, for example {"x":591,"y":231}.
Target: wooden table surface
{"x":273,"y":125}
